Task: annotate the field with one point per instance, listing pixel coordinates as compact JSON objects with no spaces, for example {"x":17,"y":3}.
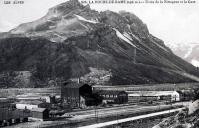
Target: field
{"x":152,"y":87}
{"x":28,"y":92}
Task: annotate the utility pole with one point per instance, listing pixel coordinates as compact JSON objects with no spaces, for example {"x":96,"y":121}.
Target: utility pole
{"x":134,"y":56}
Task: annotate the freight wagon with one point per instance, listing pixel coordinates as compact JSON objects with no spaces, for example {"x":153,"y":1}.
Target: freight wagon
{"x":9,"y":116}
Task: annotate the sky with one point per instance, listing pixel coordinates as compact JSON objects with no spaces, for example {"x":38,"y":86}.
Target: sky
{"x":173,"y":23}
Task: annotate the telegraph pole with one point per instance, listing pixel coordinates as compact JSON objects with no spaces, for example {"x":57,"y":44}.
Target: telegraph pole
{"x":134,"y":57}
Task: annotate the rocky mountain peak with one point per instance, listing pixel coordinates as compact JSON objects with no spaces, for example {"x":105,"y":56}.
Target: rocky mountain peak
{"x":69,"y":4}
{"x":71,"y":40}
{"x":65,"y":7}
{"x":60,"y":21}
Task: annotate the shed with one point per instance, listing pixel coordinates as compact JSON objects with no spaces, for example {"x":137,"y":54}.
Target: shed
{"x":40,"y":113}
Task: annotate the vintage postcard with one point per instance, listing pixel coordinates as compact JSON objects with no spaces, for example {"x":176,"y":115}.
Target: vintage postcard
{"x":99,"y":63}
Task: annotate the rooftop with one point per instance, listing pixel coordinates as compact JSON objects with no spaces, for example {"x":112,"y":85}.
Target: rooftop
{"x":38,"y":109}
{"x":109,"y":92}
{"x":152,"y":93}
{"x":31,"y":102}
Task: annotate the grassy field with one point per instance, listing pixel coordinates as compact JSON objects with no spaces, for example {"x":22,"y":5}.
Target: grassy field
{"x":13,"y":92}
{"x":152,"y":87}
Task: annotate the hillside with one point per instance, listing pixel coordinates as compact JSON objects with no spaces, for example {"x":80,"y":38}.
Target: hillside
{"x":73,"y":41}
{"x":187,"y":118}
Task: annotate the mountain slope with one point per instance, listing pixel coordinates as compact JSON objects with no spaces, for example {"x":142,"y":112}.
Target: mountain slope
{"x":72,"y":41}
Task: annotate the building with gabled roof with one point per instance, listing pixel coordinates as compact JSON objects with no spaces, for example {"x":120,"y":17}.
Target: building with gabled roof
{"x":73,"y":94}
{"x":40,"y":113}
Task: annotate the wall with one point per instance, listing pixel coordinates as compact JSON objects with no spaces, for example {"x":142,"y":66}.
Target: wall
{"x":27,"y":106}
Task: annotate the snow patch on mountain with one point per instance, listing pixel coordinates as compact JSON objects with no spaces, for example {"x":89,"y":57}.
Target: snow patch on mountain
{"x":83,"y":19}
{"x":128,"y":36}
{"x":195,"y":63}
{"x":173,"y":46}
{"x":134,"y":36}
{"x":84,"y":25}
{"x":121,"y":36}
{"x":189,"y":51}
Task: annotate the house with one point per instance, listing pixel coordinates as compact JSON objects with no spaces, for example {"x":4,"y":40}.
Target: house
{"x":40,"y":113}
{"x":113,"y":96}
{"x":74,"y":94}
{"x":153,"y":95}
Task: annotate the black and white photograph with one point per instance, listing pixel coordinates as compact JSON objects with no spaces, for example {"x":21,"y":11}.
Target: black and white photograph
{"x":99,"y":64}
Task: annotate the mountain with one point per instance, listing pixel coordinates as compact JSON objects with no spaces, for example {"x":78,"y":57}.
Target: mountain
{"x":73,"y":41}
{"x":187,"y":51}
